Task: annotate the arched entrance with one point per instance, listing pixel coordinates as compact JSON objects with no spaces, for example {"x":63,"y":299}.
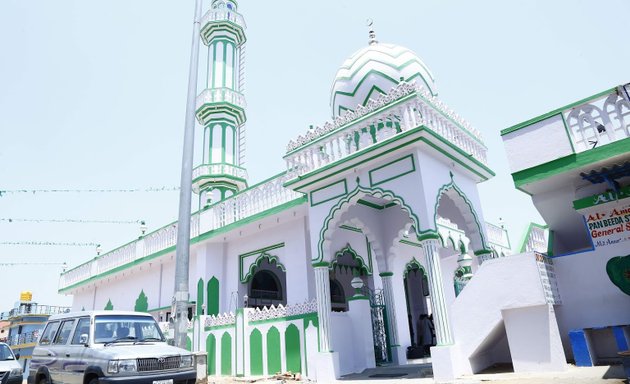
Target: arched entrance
{"x":419,"y":316}
{"x":267,"y":286}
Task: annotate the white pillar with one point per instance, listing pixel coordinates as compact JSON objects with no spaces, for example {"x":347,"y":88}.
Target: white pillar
{"x":322,"y":287}
{"x":388,"y":296}
{"x":436,"y":288}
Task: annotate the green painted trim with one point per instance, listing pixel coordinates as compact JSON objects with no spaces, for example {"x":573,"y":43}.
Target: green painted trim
{"x":370,"y":204}
{"x":345,"y":192}
{"x":526,"y":234}
{"x":271,"y":259}
{"x":452,"y":185}
{"x":378,"y":192}
{"x":349,"y":228}
{"x":483,"y":252}
{"x":413,"y":169}
{"x":428,"y":235}
{"x":321,"y":264}
{"x":555,"y":112}
{"x":386,"y":274}
{"x":256,"y":352}
{"x":357,"y":298}
{"x":602,"y":198}
{"x":355,"y":256}
{"x":212,"y":296}
{"x":195,"y":240}
{"x":410,"y":266}
{"x":389,"y":141}
{"x":226,"y":354}
{"x":218,"y":327}
{"x":552,"y":235}
{"x":569,"y":163}
{"x":407,"y":242}
{"x":274,"y":351}
{"x":305,"y":316}
{"x":293,"y":356}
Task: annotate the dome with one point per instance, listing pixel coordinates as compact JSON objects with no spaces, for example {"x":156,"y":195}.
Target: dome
{"x":374,"y":70}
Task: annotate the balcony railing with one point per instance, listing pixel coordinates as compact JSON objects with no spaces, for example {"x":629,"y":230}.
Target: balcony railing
{"x":406,"y":107}
{"x":36,"y":309}
{"x":245,"y":204}
{"x":215,"y":15}
{"x":219,"y":169}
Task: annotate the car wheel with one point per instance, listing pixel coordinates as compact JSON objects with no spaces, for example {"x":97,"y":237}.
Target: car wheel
{"x":94,"y":380}
{"x":43,"y":380}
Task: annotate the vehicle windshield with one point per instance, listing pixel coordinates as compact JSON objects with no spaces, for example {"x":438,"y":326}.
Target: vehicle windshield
{"x":6,"y":353}
{"x":117,"y":328}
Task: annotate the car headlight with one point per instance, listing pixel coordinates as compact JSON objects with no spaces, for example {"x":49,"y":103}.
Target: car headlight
{"x":186,"y":361}
{"x":16,"y":372}
{"x":122,"y":366}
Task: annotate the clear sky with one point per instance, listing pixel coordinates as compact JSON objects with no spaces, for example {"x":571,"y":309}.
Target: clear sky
{"x":93,"y":93}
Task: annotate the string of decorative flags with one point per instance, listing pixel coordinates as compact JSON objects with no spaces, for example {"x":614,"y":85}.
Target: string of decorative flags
{"x":112,"y":190}
{"x":33,"y":263}
{"x":81,"y":221}
{"x":50,"y":243}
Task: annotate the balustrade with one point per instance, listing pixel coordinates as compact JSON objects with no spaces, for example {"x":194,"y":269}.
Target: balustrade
{"x":240,"y":206}
{"x":214,"y":15}
{"x":378,"y":121}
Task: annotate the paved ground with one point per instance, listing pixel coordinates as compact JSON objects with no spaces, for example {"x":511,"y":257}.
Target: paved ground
{"x":421,"y":373}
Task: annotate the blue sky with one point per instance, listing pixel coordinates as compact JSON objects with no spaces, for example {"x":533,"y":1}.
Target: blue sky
{"x":92,"y":95}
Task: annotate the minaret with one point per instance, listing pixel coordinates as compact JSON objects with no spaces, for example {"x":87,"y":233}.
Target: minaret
{"x":221,"y":106}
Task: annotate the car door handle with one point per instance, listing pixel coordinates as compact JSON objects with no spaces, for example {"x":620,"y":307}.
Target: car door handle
{"x":67,"y":355}
{"x":50,"y":354}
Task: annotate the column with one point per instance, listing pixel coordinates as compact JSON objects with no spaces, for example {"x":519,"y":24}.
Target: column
{"x":388,"y":296}
{"x":322,"y":287}
{"x":436,"y":288}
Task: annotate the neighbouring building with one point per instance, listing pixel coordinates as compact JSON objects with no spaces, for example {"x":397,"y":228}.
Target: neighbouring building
{"x":26,"y":320}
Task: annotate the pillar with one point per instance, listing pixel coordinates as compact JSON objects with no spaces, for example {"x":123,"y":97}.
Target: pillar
{"x":322,"y":288}
{"x":436,"y":289}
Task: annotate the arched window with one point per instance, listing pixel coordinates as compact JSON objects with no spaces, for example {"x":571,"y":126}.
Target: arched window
{"x":337,"y":296}
{"x":265,"y":289}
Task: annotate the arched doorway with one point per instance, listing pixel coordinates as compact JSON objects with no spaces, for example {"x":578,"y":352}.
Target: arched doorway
{"x":418,"y":300}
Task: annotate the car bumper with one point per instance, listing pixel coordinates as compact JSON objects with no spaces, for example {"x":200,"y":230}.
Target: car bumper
{"x":188,"y":377}
{"x":14,"y":380}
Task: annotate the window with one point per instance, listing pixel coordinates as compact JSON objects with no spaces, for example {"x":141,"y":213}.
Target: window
{"x":64,"y":333}
{"x":109,"y":328}
{"x":83,"y":328}
{"x":49,"y":333}
{"x":265,"y":289}
{"x":337,"y":296}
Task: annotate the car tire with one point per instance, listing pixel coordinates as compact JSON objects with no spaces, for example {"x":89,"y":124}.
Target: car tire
{"x":94,"y":380}
{"x":44,"y":380}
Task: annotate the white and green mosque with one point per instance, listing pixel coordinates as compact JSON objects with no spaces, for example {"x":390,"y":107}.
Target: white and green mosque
{"x":327,"y":267}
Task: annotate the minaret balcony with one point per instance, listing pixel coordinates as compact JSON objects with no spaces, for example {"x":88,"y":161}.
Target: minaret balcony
{"x":217,"y":101}
{"x":224,"y":22}
{"x":219,"y":173}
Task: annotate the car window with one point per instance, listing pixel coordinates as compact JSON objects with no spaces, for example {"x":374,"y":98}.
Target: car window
{"x":64,"y":332}
{"x":49,"y":333}
{"x":83,"y":328}
{"x":5,"y":353}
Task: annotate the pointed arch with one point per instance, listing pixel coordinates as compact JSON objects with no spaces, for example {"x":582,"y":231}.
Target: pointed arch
{"x":334,"y":216}
{"x":200,"y":297}
{"x":466,"y":208}
{"x":212,"y":297}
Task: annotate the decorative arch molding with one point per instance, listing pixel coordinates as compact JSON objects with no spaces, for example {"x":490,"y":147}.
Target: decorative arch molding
{"x":413,"y":264}
{"x":467,"y":210}
{"x":249,"y":262}
{"x":364,"y":266}
{"x":334,"y":217}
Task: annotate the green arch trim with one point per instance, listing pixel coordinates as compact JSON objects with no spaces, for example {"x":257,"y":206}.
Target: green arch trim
{"x":271,"y":259}
{"x":256,"y":353}
{"x":355,"y":256}
{"x":292,"y":349}
{"x":226,"y":354}
{"x":109,"y":306}
{"x":199,"y":296}
{"x":410,"y":266}
{"x":274,"y":363}
{"x":376,"y":192}
{"x":212,"y":296}
{"x":211,"y":349}
{"x":443,"y":189}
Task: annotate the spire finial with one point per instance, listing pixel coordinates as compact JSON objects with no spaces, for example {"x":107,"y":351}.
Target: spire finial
{"x":371,"y":34}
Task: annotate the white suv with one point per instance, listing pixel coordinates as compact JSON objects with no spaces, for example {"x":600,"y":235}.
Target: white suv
{"x":108,"y":347}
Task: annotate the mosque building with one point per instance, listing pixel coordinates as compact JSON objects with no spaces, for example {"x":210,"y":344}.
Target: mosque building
{"x":337,"y":263}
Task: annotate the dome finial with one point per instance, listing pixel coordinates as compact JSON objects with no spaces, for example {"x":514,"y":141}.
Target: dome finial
{"x":372,"y":35}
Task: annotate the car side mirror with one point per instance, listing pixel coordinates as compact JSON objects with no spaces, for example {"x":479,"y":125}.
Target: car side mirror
{"x":83,"y":339}
{"x":17,"y":356}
